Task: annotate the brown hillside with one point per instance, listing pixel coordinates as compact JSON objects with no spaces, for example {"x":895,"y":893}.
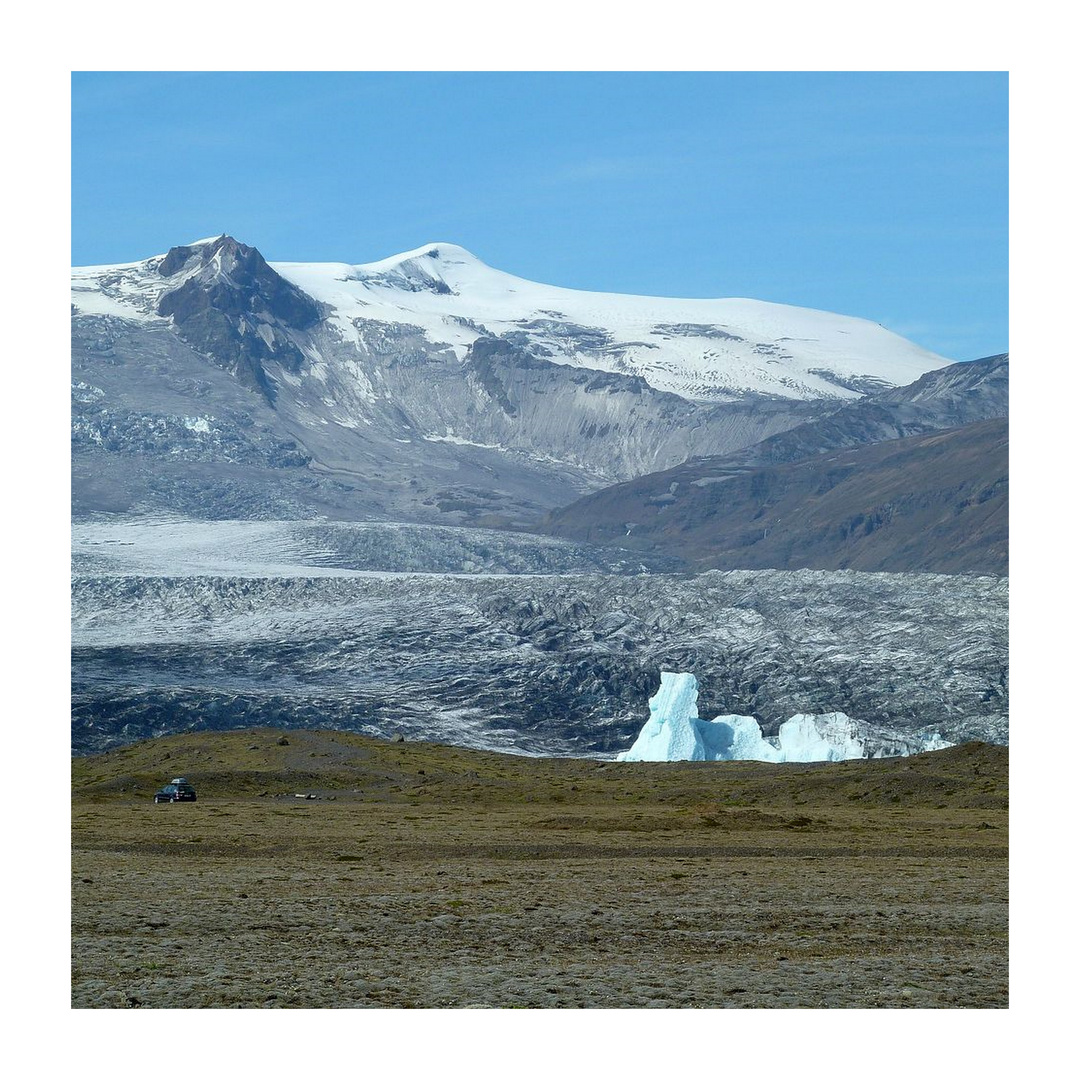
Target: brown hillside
{"x":934,"y":503}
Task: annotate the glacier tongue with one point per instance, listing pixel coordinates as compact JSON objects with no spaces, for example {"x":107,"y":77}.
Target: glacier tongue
{"x":675,"y":732}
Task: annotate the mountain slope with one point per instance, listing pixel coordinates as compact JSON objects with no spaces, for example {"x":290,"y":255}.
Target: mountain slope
{"x":936,"y":503}
{"x":427,"y":387}
{"x":950,"y":397}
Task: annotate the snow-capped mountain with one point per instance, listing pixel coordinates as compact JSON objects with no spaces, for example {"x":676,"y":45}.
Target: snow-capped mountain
{"x":705,"y":350}
{"x":278,"y":449}
{"x":427,"y":386}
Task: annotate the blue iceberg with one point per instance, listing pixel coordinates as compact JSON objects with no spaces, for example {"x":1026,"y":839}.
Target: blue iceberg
{"x":675,"y":732}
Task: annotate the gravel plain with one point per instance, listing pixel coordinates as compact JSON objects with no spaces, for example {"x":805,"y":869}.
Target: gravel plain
{"x":445,"y":879}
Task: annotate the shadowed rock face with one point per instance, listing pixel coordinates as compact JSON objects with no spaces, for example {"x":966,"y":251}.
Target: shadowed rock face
{"x":608,"y":424}
{"x":232,"y":306}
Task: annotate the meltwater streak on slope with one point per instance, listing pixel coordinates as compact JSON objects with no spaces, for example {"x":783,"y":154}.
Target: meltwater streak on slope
{"x":684,"y":346}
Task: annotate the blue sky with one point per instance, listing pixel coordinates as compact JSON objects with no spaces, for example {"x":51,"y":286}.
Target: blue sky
{"x":882,"y":195}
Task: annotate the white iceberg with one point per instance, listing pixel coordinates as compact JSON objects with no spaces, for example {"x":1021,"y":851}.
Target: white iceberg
{"x":820,"y":737}
{"x":675,"y":732}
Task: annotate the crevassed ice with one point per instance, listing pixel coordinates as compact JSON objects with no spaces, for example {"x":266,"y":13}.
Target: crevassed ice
{"x":675,"y":732}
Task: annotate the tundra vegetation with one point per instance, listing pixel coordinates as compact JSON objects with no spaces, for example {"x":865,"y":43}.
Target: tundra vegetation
{"x":321,"y":869}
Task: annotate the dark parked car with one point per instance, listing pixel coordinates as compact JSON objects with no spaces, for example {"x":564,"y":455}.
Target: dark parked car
{"x":176,"y":790}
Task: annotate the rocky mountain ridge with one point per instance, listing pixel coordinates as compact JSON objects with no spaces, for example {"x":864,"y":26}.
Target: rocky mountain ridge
{"x":358,"y":398}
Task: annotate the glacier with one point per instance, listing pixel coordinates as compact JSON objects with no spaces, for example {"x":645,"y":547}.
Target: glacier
{"x":547,"y":647}
{"x":675,"y":732}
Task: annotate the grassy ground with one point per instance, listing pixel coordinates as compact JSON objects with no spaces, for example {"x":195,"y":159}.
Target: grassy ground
{"x":433,"y":877}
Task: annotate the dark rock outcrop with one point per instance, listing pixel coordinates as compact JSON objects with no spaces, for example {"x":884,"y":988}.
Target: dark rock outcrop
{"x":237,"y":310}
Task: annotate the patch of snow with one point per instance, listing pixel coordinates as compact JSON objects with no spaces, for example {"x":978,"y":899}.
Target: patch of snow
{"x":458,"y":441}
{"x":89,"y":301}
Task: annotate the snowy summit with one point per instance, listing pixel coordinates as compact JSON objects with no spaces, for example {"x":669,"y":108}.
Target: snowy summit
{"x":699,"y":349}
{"x":704,"y":350}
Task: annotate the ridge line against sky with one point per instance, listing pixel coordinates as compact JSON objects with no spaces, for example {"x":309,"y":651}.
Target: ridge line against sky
{"x":882,"y":195}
